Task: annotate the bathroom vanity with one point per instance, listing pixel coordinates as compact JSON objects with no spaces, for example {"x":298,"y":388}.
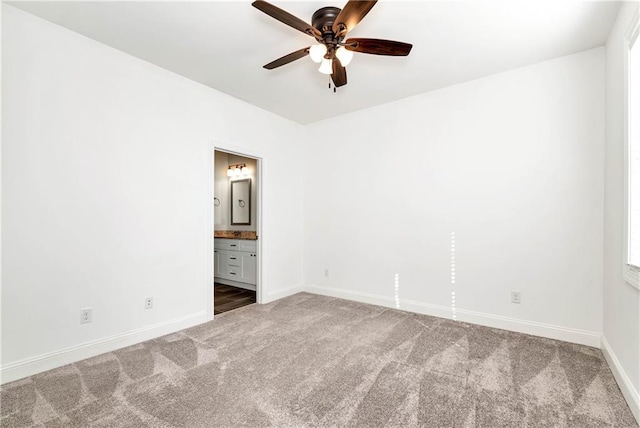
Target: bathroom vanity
{"x":235,"y":262}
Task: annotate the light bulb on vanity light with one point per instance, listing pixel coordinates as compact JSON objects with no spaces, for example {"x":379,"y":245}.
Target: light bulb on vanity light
{"x":326,"y":66}
{"x":317,"y":52}
{"x":344,"y":56}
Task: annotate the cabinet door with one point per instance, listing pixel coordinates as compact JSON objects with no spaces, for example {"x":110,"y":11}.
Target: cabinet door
{"x":249,"y":262}
{"x":216,"y":263}
{"x":222,"y":264}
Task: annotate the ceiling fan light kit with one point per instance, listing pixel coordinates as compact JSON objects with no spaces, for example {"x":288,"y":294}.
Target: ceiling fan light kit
{"x":326,"y":66}
{"x":344,"y":56}
{"x":330,"y":26}
{"x":317,"y":52}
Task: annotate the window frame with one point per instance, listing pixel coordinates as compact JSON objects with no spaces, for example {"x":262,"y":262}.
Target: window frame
{"x":630,"y":273}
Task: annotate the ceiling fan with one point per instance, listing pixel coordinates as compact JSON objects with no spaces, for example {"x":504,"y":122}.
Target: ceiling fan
{"x":330,"y":26}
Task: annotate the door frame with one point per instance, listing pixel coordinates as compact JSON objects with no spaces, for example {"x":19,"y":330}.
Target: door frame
{"x":211,"y":156}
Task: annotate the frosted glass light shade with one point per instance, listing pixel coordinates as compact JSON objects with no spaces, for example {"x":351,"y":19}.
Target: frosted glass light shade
{"x":229,"y":172}
{"x":245,"y":170}
{"x":317,"y":52}
{"x":237,"y":171}
{"x":344,"y":56}
{"x":326,"y":66}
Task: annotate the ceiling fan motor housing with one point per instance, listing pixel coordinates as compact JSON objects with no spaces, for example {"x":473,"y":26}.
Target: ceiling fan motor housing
{"x":323,"y":20}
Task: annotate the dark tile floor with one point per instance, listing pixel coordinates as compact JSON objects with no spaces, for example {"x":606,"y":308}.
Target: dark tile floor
{"x":227,"y":298}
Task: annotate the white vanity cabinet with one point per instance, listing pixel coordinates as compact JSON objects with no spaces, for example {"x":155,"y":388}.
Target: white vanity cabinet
{"x":235,"y":262}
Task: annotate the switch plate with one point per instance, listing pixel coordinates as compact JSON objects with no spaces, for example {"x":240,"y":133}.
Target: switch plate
{"x":326,"y":272}
{"x":148,"y":303}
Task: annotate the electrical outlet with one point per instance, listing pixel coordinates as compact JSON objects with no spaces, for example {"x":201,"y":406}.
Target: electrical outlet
{"x":148,"y":303}
{"x":326,"y":272}
{"x":515,"y":297}
{"x":86,"y":315}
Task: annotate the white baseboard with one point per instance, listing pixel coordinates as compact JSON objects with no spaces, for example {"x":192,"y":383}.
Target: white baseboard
{"x":30,"y":366}
{"x":628,"y":391}
{"x":496,"y":321}
{"x":277,"y":295}
{"x":233,"y":283}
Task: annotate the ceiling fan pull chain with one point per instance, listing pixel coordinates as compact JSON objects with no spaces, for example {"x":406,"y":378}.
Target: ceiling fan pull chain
{"x":334,"y":86}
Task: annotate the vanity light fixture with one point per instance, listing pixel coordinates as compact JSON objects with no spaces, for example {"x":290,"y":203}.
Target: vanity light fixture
{"x":237,"y":170}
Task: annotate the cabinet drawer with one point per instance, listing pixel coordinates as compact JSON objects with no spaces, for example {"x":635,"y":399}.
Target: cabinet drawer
{"x":226,"y":244}
{"x":235,"y":272}
{"x":233,"y":259}
{"x":247,"y":245}
{"x":235,"y":244}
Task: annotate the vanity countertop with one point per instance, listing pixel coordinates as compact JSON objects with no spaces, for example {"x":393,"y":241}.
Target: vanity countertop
{"x":235,"y":234}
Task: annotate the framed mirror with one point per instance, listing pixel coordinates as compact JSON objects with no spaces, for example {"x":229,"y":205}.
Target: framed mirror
{"x":241,"y":202}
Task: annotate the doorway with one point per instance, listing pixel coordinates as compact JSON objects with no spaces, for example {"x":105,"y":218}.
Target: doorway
{"x":237,"y":212}
{"x":227,"y":298}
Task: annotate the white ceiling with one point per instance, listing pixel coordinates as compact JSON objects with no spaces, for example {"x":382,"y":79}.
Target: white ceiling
{"x":223,"y":44}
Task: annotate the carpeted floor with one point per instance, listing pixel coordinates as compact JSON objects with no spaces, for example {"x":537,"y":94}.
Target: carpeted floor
{"x":308,"y":360}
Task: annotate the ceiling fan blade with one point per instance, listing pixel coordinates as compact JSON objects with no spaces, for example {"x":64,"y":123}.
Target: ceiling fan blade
{"x":339,"y":75}
{"x":286,"y":18}
{"x":378,"y":47}
{"x":287,"y":59}
{"x":351,"y":15}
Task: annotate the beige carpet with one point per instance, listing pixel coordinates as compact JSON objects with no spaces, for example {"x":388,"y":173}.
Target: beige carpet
{"x":315,"y":361}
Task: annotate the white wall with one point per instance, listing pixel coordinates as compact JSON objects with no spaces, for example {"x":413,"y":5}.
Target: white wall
{"x":621,"y":321}
{"x":512,"y":163}
{"x":221,"y":213}
{"x":106,"y":172}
